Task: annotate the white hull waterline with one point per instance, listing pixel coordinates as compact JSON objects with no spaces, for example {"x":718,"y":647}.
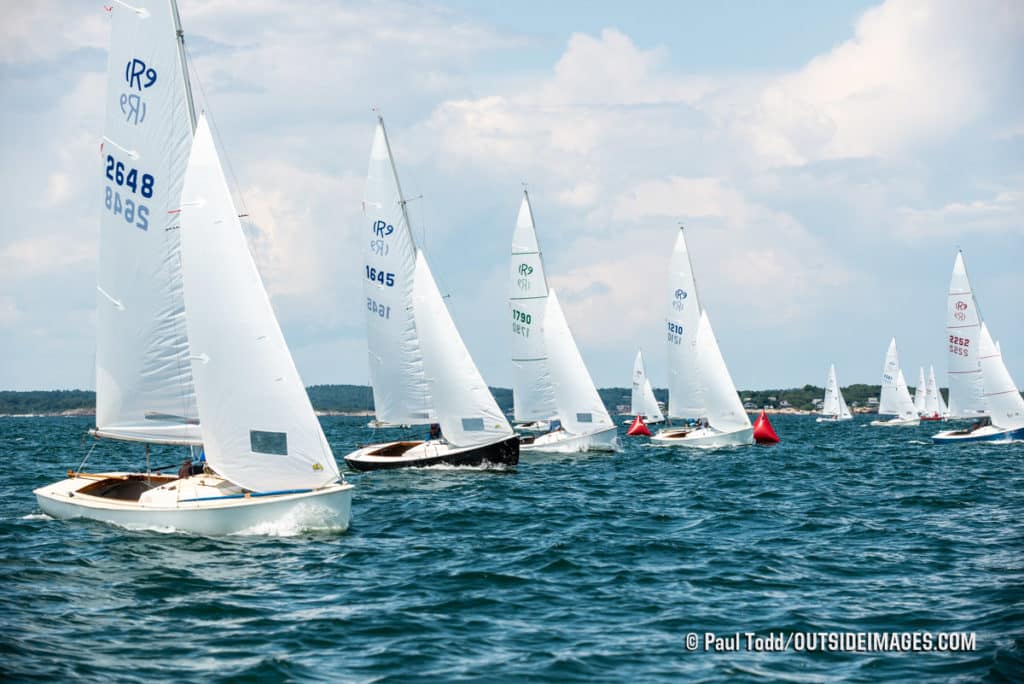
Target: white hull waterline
{"x":897,"y":422}
{"x":503,"y":452}
{"x":201,"y":504}
{"x":703,"y":437}
{"x":533,"y":426}
{"x":563,"y":442}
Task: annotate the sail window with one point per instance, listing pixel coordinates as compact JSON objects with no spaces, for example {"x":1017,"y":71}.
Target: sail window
{"x":472,"y":424}
{"x":262,"y":442}
{"x":584,"y":417}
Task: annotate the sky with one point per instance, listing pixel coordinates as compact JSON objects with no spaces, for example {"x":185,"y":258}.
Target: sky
{"x":827,"y":159}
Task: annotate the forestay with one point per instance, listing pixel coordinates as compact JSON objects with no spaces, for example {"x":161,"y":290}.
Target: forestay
{"x":532,"y":395}
{"x":966,"y":394}
{"x":724,"y":409}
{"x":463,"y":403}
{"x":1005,"y":405}
{"x":642,"y":401}
{"x":683,"y":315}
{"x":259,"y":430}
{"x":144,"y":388}
{"x":579,"y":406}
{"x":400,"y":392}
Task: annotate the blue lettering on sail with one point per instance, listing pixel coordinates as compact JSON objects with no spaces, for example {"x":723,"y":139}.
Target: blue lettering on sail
{"x":134,"y":73}
{"x":382,"y":228}
{"x":133,"y":108}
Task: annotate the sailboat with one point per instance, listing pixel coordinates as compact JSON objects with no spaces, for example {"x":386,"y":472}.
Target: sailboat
{"x":533,"y":396}
{"x":979,"y":382}
{"x":934,"y":406}
{"x":550,"y":377}
{"x":834,"y":408}
{"x":700,"y":387}
{"x":188,"y":349}
{"x":895,"y":400}
{"x":921,"y":393}
{"x":420,"y":369}
{"x":642,"y":402}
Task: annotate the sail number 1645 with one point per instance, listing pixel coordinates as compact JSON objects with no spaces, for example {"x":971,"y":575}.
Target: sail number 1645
{"x":380,"y":276}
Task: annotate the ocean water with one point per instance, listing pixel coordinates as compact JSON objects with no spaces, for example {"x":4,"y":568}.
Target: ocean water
{"x":571,"y":568}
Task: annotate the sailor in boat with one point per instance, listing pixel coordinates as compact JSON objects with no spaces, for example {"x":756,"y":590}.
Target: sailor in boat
{"x":435,"y":432}
{"x":975,"y":426}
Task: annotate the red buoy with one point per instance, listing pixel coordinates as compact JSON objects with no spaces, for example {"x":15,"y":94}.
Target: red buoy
{"x":764,"y":433}
{"x":638,"y":428}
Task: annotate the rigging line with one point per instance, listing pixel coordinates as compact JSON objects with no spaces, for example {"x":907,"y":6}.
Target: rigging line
{"x":216,"y":130}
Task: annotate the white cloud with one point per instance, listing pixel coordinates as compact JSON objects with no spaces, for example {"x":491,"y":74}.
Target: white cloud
{"x":999,"y":213}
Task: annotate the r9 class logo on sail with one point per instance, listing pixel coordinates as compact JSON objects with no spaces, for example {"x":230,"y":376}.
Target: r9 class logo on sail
{"x":680,"y":296}
{"x":139,"y":77}
{"x":382,"y":229}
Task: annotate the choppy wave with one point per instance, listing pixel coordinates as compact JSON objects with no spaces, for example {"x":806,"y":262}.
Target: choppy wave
{"x":585,"y":567}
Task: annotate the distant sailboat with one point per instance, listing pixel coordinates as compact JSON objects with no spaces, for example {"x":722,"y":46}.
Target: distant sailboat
{"x":420,"y":369}
{"x":977,"y":372}
{"x":188,"y":349}
{"x":895,"y":398}
{"x":700,"y":387}
{"x":550,"y":377}
{"x":834,"y":408}
{"x":921,"y":393}
{"x":934,"y":406}
{"x":642,"y":400}
{"x":533,"y":396}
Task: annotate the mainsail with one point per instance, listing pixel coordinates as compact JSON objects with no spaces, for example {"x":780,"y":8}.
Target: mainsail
{"x":834,"y":404}
{"x":259,"y":429}
{"x":685,"y":396}
{"x":400,"y":390}
{"x":963,"y":322}
{"x":532,"y":394}
{"x":144,"y":386}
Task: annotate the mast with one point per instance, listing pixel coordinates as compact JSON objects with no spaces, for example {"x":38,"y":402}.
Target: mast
{"x":394,"y":170}
{"x":184,"y":66}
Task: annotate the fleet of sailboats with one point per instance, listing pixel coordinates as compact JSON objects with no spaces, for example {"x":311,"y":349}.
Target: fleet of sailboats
{"x":188,"y":349}
{"x":190,"y":353}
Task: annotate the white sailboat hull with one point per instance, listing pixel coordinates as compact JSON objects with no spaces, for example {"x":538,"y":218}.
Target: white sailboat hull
{"x":533,"y":426}
{"x":220,"y":507}
{"x":987,"y":433}
{"x":704,"y":438}
{"x":832,"y":419}
{"x":563,"y":442}
{"x":897,"y":422}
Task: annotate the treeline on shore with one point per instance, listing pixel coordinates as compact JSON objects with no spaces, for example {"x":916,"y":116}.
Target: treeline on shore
{"x":355,"y":398}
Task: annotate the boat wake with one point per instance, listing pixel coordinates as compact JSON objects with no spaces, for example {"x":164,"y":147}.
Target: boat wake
{"x":299,"y":520}
{"x":36,"y":516}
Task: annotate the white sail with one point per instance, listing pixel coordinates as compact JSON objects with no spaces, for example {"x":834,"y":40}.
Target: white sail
{"x":724,"y":410}
{"x":579,"y":405}
{"x":834,"y":404}
{"x":966,"y":394}
{"x":888,"y":401}
{"x":642,"y":401}
{"x":144,"y":387}
{"x":1005,"y":405}
{"x":461,"y":399}
{"x":258,"y":426}
{"x":400,"y":391}
{"x":685,"y":398}
{"x":921,"y":393}
{"x":936,"y":404}
{"x":904,"y":404}
{"x":532,"y":394}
